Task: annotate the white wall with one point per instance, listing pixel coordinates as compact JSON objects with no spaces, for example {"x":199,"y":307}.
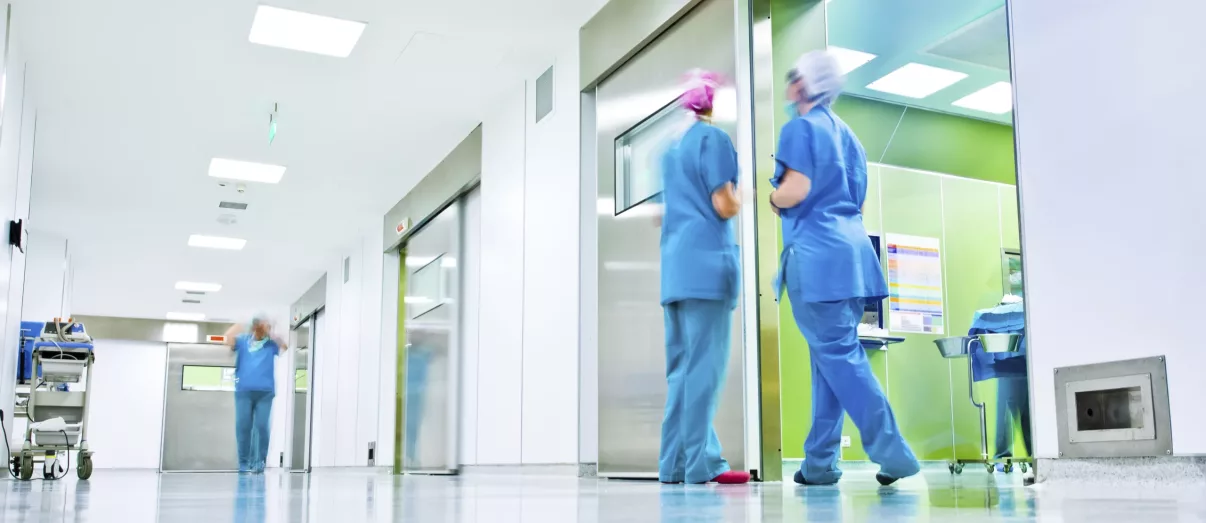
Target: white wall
{"x":1108,"y":132}
{"x":347,"y":374}
{"x":47,"y":277}
{"x":17,"y":126}
{"x":550,"y":282}
{"x":126,"y":420}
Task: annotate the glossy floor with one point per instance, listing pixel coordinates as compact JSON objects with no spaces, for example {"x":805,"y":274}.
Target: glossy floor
{"x":359,"y":496}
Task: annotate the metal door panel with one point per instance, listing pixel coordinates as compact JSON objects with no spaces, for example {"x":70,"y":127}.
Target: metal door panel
{"x":198,"y":425}
{"x":432,"y":324}
{"x":632,"y":385}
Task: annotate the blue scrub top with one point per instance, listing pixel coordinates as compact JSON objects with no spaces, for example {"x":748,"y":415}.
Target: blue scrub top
{"x":699,"y":249}
{"x":827,"y":255}
{"x":254,"y":364}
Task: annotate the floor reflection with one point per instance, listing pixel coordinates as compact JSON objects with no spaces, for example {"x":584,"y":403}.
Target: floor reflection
{"x":553,"y":496}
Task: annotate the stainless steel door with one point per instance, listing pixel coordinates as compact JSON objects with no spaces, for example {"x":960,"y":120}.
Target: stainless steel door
{"x":635,"y":117}
{"x":199,"y":415}
{"x":432,"y":323}
{"x":303,"y":377}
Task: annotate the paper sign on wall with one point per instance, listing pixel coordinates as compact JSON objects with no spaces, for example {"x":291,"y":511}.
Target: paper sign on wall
{"x":914,"y":284}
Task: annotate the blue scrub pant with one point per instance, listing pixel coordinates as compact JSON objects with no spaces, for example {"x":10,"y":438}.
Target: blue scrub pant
{"x":1013,"y":404}
{"x":253,"y":423}
{"x":698,"y":335}
{"x":842,"y":382}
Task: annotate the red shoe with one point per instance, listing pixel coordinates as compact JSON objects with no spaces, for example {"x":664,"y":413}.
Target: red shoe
{"x":732,"y":477}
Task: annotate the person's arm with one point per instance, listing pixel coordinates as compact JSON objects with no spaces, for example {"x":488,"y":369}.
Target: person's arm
{"x":233,"y":332}
{"x":793,"y":188}
{"x":281,"y":344}
{"x":719,"y":162}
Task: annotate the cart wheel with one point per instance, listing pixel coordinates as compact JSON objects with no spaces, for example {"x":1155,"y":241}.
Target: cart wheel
{"x":991,"y":467}
{"x":951,"y":467}
{"x":27,"y":468}
{"x":1023,"y":467}
{"x":958,"y":468}
{"x":84,"y":469}
{"x":1009,"y":468}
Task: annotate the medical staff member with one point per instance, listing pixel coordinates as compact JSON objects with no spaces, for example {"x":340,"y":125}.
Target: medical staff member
{"x":699,"y":268}
{"x":830,"y":269}
{"x":255,"y":387}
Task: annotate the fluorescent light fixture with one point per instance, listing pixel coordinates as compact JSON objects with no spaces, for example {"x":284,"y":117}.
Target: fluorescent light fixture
{"x":186,"y":316}
{"x":914,"y":80}
{"x":849,"y":59}
{"x":306,"y":32}
{"x":245,"y":171}
{"x":216,"y":242}
{"x":198,"y":287}
{"x":996,"y":99}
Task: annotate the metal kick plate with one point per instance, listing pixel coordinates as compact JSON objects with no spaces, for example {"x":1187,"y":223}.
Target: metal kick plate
{"x":1116,"y":409}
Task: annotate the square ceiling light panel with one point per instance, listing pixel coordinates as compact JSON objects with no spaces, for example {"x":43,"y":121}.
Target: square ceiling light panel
{"x":849,"y":59}
{"x":216,"y":242}
{"x":197,"y":287}
{"x":915,"y":80}
{"x":305,"y":32}
{"x":996,"y":99}
{"x":245,"y":171}
{"x":186,"y":316}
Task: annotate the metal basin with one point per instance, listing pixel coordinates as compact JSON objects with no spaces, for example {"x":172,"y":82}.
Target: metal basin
{"x":1000,"y":342}
{"x":956,"y":347}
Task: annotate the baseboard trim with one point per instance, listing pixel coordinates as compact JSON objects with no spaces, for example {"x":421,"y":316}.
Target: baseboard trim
{"x":1155,"y":471}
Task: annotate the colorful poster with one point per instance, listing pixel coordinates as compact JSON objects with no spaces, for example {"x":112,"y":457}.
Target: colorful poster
{"x":914,"y":284}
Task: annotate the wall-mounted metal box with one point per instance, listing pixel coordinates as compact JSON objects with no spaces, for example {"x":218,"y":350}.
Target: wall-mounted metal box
{"x":1116,"y":409}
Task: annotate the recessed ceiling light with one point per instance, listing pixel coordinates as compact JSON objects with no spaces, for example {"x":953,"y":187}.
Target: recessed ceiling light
{"x":849,"y":59}
{"x":216,"y":242}
{"x":198,"y":287}
{"x":246,"y":171}
{"x":304,"y":31}
{"x":996,"y":99}
{"x":916,"y":81}
{"x":186,"y":316}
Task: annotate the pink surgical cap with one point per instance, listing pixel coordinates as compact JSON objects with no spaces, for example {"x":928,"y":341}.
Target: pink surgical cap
{"x":700,"y":90}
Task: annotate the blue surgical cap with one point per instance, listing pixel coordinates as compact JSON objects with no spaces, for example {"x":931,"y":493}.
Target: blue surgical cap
{"x":820,"y":75}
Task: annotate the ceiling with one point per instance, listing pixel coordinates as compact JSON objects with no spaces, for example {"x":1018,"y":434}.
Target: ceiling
{"x":968,"y":36}
{"x":135,"y":97}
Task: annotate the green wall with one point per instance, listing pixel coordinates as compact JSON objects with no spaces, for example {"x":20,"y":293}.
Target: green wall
{"x":971,"y":208}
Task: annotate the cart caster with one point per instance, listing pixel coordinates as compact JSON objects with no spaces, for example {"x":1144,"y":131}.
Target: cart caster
{"x":951,"y":467}
{"x":1023,"y":467}
{"x":1009,"y":468}
{"x":990,"y":467}
{"x":958,"y":468}
{"x":84,"y":469}
{"x":27,"y":468}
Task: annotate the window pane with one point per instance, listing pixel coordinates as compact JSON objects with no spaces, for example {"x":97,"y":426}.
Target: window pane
{"x":639,"y":155}
{"x":208,"y":378}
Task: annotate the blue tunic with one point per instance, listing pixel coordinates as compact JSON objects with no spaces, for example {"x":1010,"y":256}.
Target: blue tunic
{"x":826,"y":253}
{"x":254,"y":363}
{"x":699,"y":248}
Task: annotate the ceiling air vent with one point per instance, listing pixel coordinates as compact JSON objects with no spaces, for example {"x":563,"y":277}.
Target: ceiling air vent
{"x":195,"y":293}
{"x":186,"y":300}
{"x":233,"y":205}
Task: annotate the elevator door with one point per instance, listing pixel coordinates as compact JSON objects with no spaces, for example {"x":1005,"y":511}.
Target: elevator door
{"x":198,"y":416}
{"x":303,"y":338}
{"x":432,"y":329}
{"x":636,"y":119}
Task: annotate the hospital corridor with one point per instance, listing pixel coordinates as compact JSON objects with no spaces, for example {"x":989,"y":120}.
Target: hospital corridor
{"x":600,"y":261}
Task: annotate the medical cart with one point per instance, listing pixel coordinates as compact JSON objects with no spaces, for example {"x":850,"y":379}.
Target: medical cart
{"x":61,"y":355}
{"x":963,"y":347}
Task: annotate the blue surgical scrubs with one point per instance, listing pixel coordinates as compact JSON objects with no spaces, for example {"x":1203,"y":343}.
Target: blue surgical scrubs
{"x":255,"y":387}
{"x":830,"y":270}
{"x":699,"y":274}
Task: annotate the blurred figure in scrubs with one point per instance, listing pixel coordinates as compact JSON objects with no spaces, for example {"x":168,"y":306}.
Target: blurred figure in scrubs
{"x":700,"y":275}
{"x":830,"y":270}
